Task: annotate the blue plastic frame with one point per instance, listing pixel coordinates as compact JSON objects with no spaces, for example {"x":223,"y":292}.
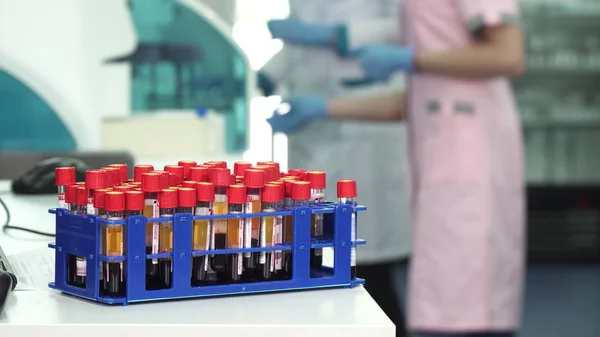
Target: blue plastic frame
{"x":80,"y":235}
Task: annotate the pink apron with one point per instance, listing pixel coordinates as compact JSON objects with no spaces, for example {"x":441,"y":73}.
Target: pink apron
{"x":467,"y":168}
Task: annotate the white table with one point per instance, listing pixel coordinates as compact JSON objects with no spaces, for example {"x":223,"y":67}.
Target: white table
{"x":330,"y":313}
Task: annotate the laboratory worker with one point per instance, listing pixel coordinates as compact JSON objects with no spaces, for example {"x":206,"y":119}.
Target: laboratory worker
{"x":316,"y":37}
{"x":466,"y":159}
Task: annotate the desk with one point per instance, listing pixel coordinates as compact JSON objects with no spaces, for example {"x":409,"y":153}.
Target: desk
{"x":331,"y":313}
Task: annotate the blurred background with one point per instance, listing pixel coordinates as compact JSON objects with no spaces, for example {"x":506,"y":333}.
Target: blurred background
{"x":162,"y":80}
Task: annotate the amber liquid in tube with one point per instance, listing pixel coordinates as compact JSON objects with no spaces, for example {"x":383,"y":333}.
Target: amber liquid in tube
{"x":151,"y":210}
{"x":235,"y":239}
{"x":77,"y":265}
{"x":316,"y":229}
{"x":252,"y":228}
{"x":202,"y":272}
{"x":288,"y":238}
{"x":219,"y":239}
{"x":166,"y":246}
{"x":114,"y":272}
{"x":265,"y":261}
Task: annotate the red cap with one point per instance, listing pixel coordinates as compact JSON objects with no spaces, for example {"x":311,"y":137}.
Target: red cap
{"x":297,"y":173}
{"x":219,"y":164}
{"x":241,"y":166}
{"x":71,"y":194}
{"x":317,"y":179}
{"x":177,"y":172}
{"x":123,"y":169}
{"x":121,"y":188}
{"x":220,"y":176}
{"x":239,"y":180}
{"x":300,"y":190}
{"x":64,"y":176}
{"x":135,"y":183}
{"x":288,"y":188}
{"x":187,"y":164}
{"x":113,"y":176}
{"x":271,"y":193}
{"x":233,"y":180}
{"x":167,"y":198}
{"x":236,"y":194}
{"x":151,"y":182}
{"x":163,"y":178}
{"x":281,"y":186}
{"x":115,"y":201}
{"x":289,"y":178}
{"x":205,"y":191}
{"x":199,"y":174}
{"x":81,"y":196}
{"x":254,"y":178}
{"x":187,"y":197}
{"x":95,"y":179}
{"x":189,"y":184}
{"x":138,"y":170}
{"x":270,"y":163}
{"x":100,"y":198}
{"x":134,"y":200}
{"x":346,"y":188}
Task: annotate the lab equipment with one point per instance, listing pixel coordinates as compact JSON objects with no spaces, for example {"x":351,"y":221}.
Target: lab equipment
{"x":64,"y":176}
{"x":187,"y":198}
{"x":318,"y":183}
{"x":41,"y":178}
{"x":139,"y":170}
{"x":151,"y":187}
{"x":199,"y":174}
{"x":254,"y":181}
{"x":346,"y":193}
{"x":236,"y":197}
{"x":94,"y":179}
{"x":177,"y":172}
{"x":187,"y":165}
{"x":268,"y":231}
{"x":167,"y":201}
{"x":114,"y":271}
{"x":123,"y":172}
{"x":134,"y":200}
{"x":220,"y":178}
{"x":203,"y":235}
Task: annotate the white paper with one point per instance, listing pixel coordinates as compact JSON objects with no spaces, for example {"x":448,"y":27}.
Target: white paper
{"x":34,"y":269}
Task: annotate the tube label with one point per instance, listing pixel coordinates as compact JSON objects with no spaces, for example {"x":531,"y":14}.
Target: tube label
{"x":90,"y":206}
{"x":62,"y":201}
{"x":263,"y":239}
{"x":240,"y":268}
{"x":278,"y":239}
{"x":80,"y":266}
{"x":248,"y":226}
{"x":155,"y":230}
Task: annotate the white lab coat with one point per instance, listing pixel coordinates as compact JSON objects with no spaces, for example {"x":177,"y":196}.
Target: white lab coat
{"x":373,"y":154}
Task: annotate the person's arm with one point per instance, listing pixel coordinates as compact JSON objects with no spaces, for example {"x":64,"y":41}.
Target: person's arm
{"x":500,"y":52}
{"x":381,"y":108}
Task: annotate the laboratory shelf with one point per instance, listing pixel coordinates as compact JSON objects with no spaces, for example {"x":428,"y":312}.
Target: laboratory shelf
{"x":81,"y":236}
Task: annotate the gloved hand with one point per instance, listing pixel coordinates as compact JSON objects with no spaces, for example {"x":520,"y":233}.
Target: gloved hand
{"x":265,"y":83}
{"x":298,"y":32}
{"x":303,"y":109}
{"x":380,"y":61}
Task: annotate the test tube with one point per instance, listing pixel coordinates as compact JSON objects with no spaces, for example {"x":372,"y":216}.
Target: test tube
{"x":220,"y":178}
{"x":187,"y":199}
{"x":203,"y":235}
{"x":217,"y":164}
{"x":288,"y":229}
{"x":301,"y":198}
{"x":301,"y":174}
{"x":134,"y":200}
{"x":177,"y":171}
{"x":94,"y":179}
{"x":254,"y":181}
{"x":113,"y":176}
{"x":114,"y":271}
{"x":189,"y":184}
{"x":71,"y":198}
{"x":124,"y":173}
{"x":240,"y":167}
{"x":163,"y":178}
{"x":273,"y":169}
{"x":236,"y":196}
{"x":77,"y":265}
{"x":139,"y":170}
{"x":168,"y":203}
{"x":278,"y":230}
{"x":346,"y":192}
{"x":317,"y":180}
{"x":187,"y":164}
{"x":63,"y":177}
{"x":151,"y":187}
{"x":199,"y":174}
{"x":122,"y":188}
{"x":266,"y":262}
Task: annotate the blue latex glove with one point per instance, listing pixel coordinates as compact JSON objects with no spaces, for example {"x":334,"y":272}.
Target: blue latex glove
{"x":303,"y":109}
{"x":380,"y":61}
{"x":298,"y":32}
{"x":265,"y":83}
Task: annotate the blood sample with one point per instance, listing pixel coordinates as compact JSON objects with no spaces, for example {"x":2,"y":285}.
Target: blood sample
{"x":114,"y":271}
{"x":288,"y":229}
{"x":63,"y":177}
{"x":187,"y":164}
{"x":266,"y":262}
{"x":236,"y":197}
{"x":199,"y":174}
{"x":317,"y":180}
{"x":177,"y":171}
{"x":278,"y":230}
{"x":71,"y":198}
{"x":139,"y":170}
{"x":168,"y":203}
{"x":346,"y":192}
{"x":134,"y":200}
{"x":124,"y":173}
{"x":77,"y":265}
{"x":301,"y":198}
{"x":113,"y":176}
{"x":94,"y":180}
{"x":254,"y":181}
{"x":100,"y":205}
{"x":151,"y":187}
{"x":203,"y":236}
{"x":240,"y":167}
{"x":220,"y":178}
{"x":187,"y":200}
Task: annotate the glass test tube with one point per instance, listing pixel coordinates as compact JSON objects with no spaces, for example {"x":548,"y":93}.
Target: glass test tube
{"x":202,"y":235}
{"x":151,"y":187}
{"x":254,"y":181}
{"x":266,"y":261}
{"x":124,"y":173}
{"x":64,"y":176}
{"x":346,"y":192}
{"x":186,"y":164}
{"x":236,"y":196}
{"x":278,"y":230}
{"x":288,"y":229}
{"x":71,"y":198}
{"x":77,"y":265}
{"x":114,"y":271}
{"x":317,"y":180}
{"x":301,"y":198}
{"x":99,"y":205}
{"x":220,"y":178}
{"x":168,"y":203}
{"x":94,"y":179}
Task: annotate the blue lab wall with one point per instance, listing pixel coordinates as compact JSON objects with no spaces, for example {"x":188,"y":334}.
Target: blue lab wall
{"x":28,"y":123}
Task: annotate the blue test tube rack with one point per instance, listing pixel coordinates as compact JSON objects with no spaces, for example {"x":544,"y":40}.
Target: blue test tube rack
{"x":81,"y":236}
